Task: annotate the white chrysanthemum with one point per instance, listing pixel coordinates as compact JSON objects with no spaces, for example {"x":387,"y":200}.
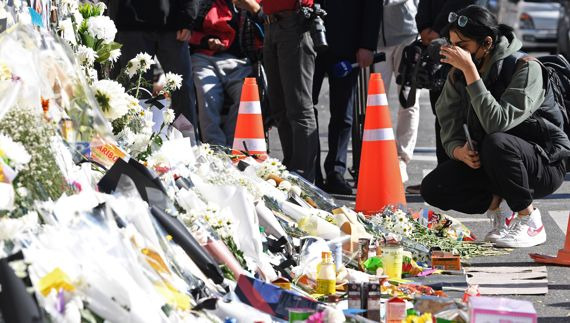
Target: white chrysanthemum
{"x":111,"y":98}
{"x":86,"y":55}
{"x":114,"y":55}
{"x":102,"y":27}
{"x":66,"y":29}
{"x":147,"y":122}
{"x":172,"y":82}
{"x":77,"y":17}
{"x":140,"y":64}
{"x":140,"y":143}
{"x":168,"y":116}
{"x":102,"y":6}
{"x":270,"y":166}
{"x":132,"y":68}
{"x":13,"y":153}
{"x":126,"y":137}
{"x":22,"y":192}
{"x":272,"y":182}
{"x":68,"y":7}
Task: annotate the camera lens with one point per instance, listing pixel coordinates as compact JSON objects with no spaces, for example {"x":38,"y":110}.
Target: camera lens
{"x":318,"y":34}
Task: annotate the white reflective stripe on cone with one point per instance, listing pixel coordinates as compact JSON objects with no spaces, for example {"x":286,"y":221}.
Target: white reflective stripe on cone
{"x":376,"y":99}
{"x":250,"y":107}
{"x":378,"y":134}
{"x":252,"y":144}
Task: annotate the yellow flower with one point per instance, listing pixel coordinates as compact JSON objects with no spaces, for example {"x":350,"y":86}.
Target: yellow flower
{"x":5,"y":72}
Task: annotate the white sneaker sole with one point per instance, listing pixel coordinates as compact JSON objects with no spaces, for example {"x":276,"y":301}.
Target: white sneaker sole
{"x":492,"y":237}
{"x":538,"y":240}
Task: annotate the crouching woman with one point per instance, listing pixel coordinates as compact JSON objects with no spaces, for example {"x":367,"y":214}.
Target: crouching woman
{"x":520,"y":149}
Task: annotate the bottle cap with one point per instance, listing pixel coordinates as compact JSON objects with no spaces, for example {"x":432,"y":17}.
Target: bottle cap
{"x":262,"y":229}
{"x":326,"y":254}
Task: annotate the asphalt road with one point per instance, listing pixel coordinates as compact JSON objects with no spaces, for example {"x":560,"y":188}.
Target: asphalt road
{"x":555,"y":209}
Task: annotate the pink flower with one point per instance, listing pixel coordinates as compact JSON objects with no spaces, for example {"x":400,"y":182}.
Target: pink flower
{"x":318,"y":317}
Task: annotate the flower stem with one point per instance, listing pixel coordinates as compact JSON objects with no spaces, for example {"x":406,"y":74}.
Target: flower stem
{"x":138,"y":85}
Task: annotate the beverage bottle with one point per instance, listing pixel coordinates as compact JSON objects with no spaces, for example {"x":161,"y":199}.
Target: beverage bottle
{"x":326,"y":275}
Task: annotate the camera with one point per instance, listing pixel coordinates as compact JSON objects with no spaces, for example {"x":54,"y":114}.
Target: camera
{"x":421,"y":66}
{"x":317,"y":26}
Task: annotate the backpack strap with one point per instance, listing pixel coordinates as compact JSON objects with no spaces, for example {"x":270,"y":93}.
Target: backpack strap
{"x":506,"y":69}
{"x":411,"y":100}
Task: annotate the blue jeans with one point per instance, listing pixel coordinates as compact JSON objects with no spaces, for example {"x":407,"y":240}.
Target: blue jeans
{"x":218,"y":80}
{"x":341,"y":108}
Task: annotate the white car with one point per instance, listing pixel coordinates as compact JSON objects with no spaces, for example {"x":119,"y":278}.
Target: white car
{"x":535,"y":22}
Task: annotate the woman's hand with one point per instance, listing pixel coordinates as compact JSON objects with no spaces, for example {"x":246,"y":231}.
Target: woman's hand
{"x":460,"y":59}
{"x":469,"y":157}
{"x":457,"y":57}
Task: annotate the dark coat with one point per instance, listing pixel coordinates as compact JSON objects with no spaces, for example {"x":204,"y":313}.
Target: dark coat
{"x":351,"y":24}
{"x":434,"y":13}
{"x":154,"y":15}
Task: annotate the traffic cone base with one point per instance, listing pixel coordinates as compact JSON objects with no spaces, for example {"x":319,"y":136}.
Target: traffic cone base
{"x":249,"y":135}
{"x":379,"y":179}
{"x":563,"y":257}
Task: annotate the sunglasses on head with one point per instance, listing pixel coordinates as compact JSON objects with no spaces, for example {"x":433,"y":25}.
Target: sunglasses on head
{"x":461,"y":20}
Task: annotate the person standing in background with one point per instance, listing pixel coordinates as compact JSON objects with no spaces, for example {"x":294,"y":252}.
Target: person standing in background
{"x":161,"y":28}
{"x":352,"y":33}
{"x":289,"y":59}
{"x":398,"y":29}
{"x":219,"y":66}
{"x":431,"y":19}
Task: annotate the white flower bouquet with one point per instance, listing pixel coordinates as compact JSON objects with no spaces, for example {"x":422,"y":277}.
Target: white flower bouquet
{"x":91,"y":34}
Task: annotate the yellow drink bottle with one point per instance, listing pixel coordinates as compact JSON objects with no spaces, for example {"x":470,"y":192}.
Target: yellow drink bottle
{"x":326,"y":275}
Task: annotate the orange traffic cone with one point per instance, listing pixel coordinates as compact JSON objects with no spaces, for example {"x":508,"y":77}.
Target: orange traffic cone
{"x":379,"y":179}
{"x":563,"y":257}
{"x":249,"y":136}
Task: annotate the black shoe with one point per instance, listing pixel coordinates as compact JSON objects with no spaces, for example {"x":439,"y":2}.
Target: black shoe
{"x":414,"y":189}
{"x":336,"y":184}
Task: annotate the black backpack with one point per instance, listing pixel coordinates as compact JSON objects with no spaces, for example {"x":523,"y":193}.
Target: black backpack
{"x":556,"y":70}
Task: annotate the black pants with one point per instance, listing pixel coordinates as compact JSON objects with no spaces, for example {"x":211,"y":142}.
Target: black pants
{"x":289,"y":60}
{"x":510,"y":168}
{"x":341,"y":108}
{"x":173,"y":55}
{"x":439,"y":150}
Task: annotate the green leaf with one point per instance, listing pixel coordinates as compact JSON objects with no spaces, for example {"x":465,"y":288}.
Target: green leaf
{"x":88,"y":10}
{"x":87,"y":40}
{"x":114,"y":45}
{"x":103,"y":54}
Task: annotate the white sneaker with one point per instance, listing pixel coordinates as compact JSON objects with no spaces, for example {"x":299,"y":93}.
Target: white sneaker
{"x":525,"y":231}
{"x":501,"y":219}
{"x":403,"y":171}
